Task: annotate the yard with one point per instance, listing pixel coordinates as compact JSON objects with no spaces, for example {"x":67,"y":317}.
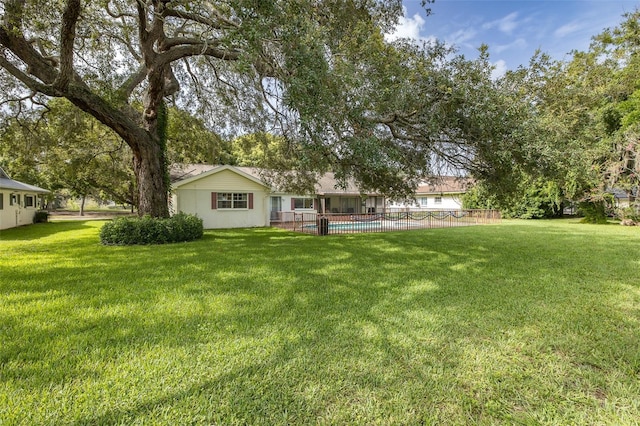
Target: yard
{"x":524,"y":322}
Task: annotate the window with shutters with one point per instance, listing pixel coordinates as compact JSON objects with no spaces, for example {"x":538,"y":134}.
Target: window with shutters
{"x":232,"y":200}
{"x":302,"y":203}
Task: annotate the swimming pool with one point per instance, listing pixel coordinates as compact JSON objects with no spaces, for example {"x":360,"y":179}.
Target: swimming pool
{"x":312,"y":223}
{"x":364,"y":226}
{"x":347,"y":226}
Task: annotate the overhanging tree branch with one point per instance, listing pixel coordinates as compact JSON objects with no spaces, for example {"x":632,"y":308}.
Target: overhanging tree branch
{"x":204,"y":49}
{"x":220,"y":23}
{"x":67,"y":39}
{"x":31,"y":83}
{"x":36,"y":64}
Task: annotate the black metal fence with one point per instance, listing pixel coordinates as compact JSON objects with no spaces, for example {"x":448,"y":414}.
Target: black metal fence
{"x":345,"y":223}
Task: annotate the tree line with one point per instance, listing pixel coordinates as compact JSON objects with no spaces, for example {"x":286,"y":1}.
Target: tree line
{"x":586,"y":114}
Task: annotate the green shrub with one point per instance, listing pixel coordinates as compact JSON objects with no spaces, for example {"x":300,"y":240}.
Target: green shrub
{"x":629,"y":213}
{"x":532,"y":199}
{"x":42,"y":216}
{"x":148,"y":230}
{"x":593,"y":211}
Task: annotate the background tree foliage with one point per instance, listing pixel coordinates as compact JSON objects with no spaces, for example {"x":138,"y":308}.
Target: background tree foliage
{"x":262,"y":150}
{"x":585,"y":115}
{"x":189,"y":140}
{"x":67,"y":150}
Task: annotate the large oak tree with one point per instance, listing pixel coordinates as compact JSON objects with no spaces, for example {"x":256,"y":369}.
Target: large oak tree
{"x":317,"y":73}
{"x":107,"y":56}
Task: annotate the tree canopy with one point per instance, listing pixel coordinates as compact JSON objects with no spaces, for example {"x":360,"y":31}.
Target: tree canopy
{"x":318,"y":74}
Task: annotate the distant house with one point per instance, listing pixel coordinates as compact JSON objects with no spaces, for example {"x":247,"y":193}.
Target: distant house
{"x":623,"y":198}
{"x":18,"y":202}
{"x":444,"y":193}
{"x":236,"y":197}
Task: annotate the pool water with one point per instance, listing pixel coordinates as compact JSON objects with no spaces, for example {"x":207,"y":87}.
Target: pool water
{"x":361,"y":226}
{"x":354,"y":225}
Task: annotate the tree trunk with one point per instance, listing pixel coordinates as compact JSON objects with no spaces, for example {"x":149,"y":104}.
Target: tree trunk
{"x":148,"y":166}
{"x":149,"y":159}
{"x":82,"y":200}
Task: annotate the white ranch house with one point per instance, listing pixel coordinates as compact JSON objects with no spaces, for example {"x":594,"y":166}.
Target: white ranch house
{"x":236,"y":197}
{"x":443,"y":194}
{"x":19,"y":202}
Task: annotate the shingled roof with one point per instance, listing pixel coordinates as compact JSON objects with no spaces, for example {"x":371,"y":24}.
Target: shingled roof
{"x":328,"y":184}
{"x":445,"y":185}
{"x":7,"y":183}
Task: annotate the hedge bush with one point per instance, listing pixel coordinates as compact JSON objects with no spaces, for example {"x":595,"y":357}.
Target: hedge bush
{"x":126,"y":231}
{"x":41,"y":216}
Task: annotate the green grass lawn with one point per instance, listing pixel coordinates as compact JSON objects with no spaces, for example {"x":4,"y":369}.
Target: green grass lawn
{"x":520,"y":323}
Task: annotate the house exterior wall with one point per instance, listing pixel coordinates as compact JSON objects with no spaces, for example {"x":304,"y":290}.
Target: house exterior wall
{"x":288,"y":203}
{"x":282,"y":207}
{"x":353,"y":204}
{"x":196,"y":198}
{"x":447,"y":202}
{"x":17,"y":212}
{"x":429,"y":201}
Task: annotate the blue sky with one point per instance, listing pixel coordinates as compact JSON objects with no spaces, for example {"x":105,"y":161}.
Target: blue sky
{"x":514,"y":29}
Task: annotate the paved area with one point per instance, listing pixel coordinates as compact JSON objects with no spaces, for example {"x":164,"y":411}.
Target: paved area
{"x":90,"y":215}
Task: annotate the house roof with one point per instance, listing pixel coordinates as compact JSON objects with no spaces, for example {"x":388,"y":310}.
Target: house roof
{"x":180,"y":172}
{"x":622,"y":194}
{"x":7,"y":183}
{"x":184,"y":173}
{"x":326,"y":185}
{"x":191,"y":172}
{"x":329,"y":185}
{"x":445,"y":185}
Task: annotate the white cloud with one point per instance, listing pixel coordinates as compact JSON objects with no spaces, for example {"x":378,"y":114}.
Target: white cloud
{"x":519,"y":43}
{"x":462,"y":36}
{"x":500,"y":68}
{"x":567,"y":29}
{"x":506,"y":24}
{"x":408,"y":27}
{"x":411,"y":28}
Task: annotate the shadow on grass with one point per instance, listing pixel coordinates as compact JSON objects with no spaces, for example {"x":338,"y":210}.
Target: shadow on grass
{"x":320,"y":326}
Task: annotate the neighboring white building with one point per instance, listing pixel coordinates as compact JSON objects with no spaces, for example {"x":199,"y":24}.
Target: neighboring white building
{"x":18,"y":202}
{"x":444,"y":193}
{"x":236,"y":197}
